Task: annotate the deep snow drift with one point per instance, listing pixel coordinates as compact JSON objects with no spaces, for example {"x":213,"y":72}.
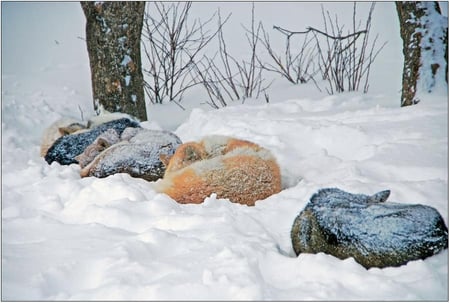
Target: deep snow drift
{"x":67,"y":238}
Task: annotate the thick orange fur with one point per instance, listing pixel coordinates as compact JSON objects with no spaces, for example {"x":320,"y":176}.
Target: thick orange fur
{"x":233,"y":169}
{"x":185,"y":155}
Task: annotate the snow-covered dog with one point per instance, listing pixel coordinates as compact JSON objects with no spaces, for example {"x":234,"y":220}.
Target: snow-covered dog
{"x":66,"y":148}
{"x":234,"y":169}
{"x":138,"y":154}
{"x":67,"y":126}
{"x":59,"y":128}
{"x":374,"y":232}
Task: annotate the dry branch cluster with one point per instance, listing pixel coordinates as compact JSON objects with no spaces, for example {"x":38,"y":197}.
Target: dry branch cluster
{"x":343,"y":60}
{"x":171,"y":46}
{"x":346,"y":61}
{"x":177,"y":60}
{"x":226,"y":78}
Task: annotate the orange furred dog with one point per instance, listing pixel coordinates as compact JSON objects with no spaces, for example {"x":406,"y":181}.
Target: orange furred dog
{"x":234,"y":169}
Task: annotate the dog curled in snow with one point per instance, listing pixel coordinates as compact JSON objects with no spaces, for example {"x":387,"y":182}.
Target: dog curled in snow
{"x":71,"y":126}
{"x":59,"y":128}
{"x":234,"y":169}
{"x":66,"y":148}
{"x":137,"y":152}
{"x":374,"y":232}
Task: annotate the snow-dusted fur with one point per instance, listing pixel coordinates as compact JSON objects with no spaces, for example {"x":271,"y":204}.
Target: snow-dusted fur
{"x":106,"y":116}
{"x":138,"y":154}
{"x":234,"y":169}
{"x":67,"y":126}
{"x":105,"y":140}
{"x":374,"y":232}
{"x":66,"y":148}
{"x":57,"y":129}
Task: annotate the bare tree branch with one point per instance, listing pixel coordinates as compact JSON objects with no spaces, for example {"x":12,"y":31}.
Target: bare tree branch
{"x":234,"y":79}
{"x":172,"y":45}
{"x":312,"y":29}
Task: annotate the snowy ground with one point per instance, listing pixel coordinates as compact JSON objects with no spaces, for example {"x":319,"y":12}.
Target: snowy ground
{"x":66,"y":238}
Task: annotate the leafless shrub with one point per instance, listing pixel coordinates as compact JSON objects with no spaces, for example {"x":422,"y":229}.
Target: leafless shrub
{"x":174,"y":48}
{"x":228,"y":79}
{"x":345,"y":60}
{"x":214,"y":83}
{"x":250,"y":71}
{"x":296,"y":67}
{"x":172,"y":44}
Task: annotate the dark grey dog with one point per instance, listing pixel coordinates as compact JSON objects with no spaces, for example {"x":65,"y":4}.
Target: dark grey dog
{"x":66,"y":148}
{"x":374,"y":232}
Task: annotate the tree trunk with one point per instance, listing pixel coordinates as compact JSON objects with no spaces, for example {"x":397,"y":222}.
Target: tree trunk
{"x":113,"y":36}
{"x":424,"y":32}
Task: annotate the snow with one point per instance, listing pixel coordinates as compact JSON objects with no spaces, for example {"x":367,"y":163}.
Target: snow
{"x":115,"y":238}
{"x":126,"y":59}
{"x":127,"y":82}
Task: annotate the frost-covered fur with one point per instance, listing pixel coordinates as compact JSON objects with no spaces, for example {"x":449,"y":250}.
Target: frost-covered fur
{"x":232,"y":168}
{"x":374,"y":232}
{"x":66,"y":148}
{"x":138,"y":154}
{"x":67,"y":126}
{"x":106,"y":116}
{"x":105,"y":140}
{"x":57,"y":129}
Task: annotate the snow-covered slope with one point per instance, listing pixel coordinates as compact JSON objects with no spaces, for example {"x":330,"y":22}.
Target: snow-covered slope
{"x":67,"y":238}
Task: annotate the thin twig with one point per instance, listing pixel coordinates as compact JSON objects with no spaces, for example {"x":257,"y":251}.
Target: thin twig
{"x":310,"y":29}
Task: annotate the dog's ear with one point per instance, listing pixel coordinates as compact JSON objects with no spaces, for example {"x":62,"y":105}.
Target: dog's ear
{"x":380,"y":197}
{"x":64,"y":131}
{"x":104,"y":144}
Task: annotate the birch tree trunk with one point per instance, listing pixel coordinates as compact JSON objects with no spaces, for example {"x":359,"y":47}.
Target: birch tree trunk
{"x":113,"y":37}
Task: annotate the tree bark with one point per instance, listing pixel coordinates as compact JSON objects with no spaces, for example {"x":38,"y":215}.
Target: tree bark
{"x":425,"y":42}
{"x":113,"y":36}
